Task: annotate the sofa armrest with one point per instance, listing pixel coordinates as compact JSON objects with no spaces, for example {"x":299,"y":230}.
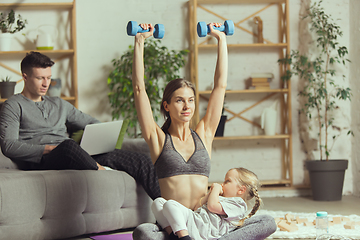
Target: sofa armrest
{"x":6,"y":163}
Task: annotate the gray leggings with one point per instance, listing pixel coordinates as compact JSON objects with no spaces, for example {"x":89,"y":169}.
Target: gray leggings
{"x":255,"y":228}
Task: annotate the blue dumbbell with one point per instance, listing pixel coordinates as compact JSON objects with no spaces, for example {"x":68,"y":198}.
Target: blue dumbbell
{"x":133,"y":28}
{"x":227,"y":27}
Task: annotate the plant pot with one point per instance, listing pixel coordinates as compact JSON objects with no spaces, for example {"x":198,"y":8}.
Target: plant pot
{"x":220,"y":129}
{"x":5,"y":41}
{"x":327,"y":179}
{"x":7,"y":89}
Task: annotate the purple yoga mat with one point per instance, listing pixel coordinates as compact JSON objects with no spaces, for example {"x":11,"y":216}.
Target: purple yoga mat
{"x":126,"y":236}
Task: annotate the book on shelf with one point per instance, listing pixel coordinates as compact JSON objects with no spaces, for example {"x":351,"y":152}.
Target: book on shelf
{"x":262,"y":75}
{"x":261,"y":84}
{"x":258,"y":87}
{"x":260,"y":80}
{"x":262,"y":87}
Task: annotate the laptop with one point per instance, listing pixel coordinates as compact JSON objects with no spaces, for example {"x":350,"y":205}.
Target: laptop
{"x":100,"y":137}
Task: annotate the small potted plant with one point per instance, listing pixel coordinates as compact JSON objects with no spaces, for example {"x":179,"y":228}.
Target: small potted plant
{"x":321,"y":94}
{"x":9,"y":25}
{"x":161,"y":66}
{"x":7,"y":88}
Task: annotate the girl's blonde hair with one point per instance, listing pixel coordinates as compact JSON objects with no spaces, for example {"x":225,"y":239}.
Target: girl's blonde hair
{"x":251,"y":181}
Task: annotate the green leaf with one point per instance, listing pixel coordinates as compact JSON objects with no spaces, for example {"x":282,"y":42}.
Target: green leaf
{"x":317,"y":71}
{"x":160,"y":65}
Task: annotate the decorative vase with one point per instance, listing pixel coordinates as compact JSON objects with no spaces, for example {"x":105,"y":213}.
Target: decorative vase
{"x":5,"y":41}
{"x":7,"y":89}
{"x":54,"y":88}
{"x":327,"y":179}
{"x":268,"y":121}
{"x":220,"y":129}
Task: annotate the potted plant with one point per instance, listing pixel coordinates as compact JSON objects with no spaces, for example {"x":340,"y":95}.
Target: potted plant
{"x":161,"y":65}
{"x":321,"y":94}
{"x":9,"y":25}
{"x":6,"y":87}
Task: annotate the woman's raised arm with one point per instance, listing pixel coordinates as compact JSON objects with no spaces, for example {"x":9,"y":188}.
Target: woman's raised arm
{"x":207,"y":126}
{"x":148,"y":125}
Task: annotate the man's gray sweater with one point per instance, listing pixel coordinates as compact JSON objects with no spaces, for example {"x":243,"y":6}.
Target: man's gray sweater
{"x":27,"y":126}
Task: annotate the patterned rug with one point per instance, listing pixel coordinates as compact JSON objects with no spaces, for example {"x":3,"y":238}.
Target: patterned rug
{"x":340,"y":227}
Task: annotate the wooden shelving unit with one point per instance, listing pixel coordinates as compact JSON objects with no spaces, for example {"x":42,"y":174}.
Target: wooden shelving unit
{"x":284,"y":90}
{"x":55,"y":55}
{"x":253,"y":45}
{"x":38,"y":6}
{"x":252,"y":91}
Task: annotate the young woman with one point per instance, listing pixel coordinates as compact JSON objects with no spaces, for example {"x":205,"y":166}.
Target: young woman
{"x":181,"y":155}
{"x":222,"y":210}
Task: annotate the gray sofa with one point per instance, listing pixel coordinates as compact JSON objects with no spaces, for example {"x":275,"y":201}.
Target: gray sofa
{"x":68,"y":203}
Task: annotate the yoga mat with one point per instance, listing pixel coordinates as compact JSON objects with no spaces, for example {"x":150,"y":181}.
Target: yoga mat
{"x":120,"y":236}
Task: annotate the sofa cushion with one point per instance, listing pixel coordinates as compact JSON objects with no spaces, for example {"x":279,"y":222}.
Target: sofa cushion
{"x":136,"y":145}
{"x":67,"y":203}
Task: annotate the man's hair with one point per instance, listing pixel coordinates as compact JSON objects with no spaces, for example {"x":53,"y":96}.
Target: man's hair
{"x":35,"y":60}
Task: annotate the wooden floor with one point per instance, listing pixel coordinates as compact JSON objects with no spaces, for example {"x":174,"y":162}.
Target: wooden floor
{"x":348,"y":205}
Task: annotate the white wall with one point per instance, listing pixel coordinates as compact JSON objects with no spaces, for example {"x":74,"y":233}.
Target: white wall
{"x":101,"y":37}
{"x":302,"y":149}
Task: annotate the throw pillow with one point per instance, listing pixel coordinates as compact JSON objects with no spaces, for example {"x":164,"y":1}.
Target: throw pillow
{"x":122,"y":134}
{"x":76,"y":136}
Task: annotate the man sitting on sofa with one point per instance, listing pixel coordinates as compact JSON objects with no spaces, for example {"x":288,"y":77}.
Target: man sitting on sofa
{"x":33,"y":130}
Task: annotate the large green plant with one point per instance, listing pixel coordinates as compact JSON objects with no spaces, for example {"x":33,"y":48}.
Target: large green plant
{"x":8,"y":20}
{"x":161,"y":65}
{"x":319,"y":71}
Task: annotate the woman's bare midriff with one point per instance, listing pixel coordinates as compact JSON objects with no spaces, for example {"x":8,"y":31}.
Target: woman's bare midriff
{"x":185,"y":189}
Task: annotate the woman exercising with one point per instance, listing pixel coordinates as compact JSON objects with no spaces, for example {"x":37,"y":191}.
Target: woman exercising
{"x":181,"y":156}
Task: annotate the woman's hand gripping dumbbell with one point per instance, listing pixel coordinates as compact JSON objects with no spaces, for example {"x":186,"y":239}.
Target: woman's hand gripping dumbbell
{"x":133,"y":28}
{"x":203,"y":29}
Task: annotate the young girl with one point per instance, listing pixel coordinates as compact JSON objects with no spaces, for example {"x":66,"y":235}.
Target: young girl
{"x":222,"y":210}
